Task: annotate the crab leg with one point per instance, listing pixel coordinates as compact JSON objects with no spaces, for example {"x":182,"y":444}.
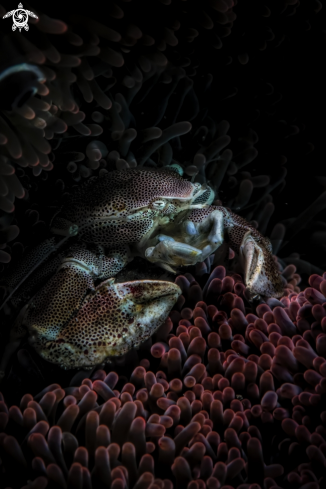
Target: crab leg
{"x":29,"y":264}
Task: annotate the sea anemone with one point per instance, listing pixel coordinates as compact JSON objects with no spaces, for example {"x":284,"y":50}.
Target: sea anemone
{"x":223,"y":395}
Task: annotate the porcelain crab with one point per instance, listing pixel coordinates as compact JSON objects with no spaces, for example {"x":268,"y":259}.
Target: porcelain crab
{"x":72,"y":321}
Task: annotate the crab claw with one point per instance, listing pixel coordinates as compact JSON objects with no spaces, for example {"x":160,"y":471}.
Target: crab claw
{"x":112,"y":320}
{"x":260,"y":272}
{"x":147,"y":304}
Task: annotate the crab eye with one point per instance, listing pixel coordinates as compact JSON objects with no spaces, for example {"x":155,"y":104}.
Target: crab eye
{"x":159,"y":204}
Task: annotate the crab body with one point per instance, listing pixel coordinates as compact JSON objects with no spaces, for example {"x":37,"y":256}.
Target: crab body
{"x":125,"y":207}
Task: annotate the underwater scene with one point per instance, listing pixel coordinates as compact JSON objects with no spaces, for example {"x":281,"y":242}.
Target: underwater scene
{"x":162,"y":244}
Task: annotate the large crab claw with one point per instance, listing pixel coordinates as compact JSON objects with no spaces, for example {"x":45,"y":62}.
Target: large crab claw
{"x":112,"y":320}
